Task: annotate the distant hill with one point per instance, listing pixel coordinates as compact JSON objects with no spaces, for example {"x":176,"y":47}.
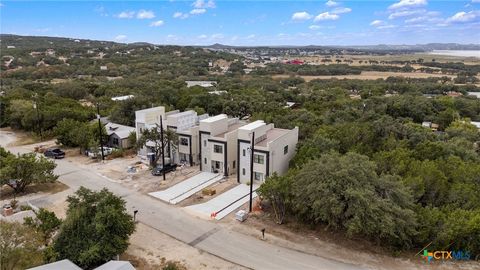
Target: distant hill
{"x":45,"y":42}
{"x":380,"y":47}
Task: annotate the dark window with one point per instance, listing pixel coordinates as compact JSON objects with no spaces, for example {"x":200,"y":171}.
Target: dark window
{"x":258,"y":176}
{"x":115,"y":141}
{"x":217,"y":148}
{"x":217,"y":165}
{"x":205,"y":143}
{"x":234,"y":164}
{"x":258,"y":159}
{"x":184,"y":141}
{"x":243,"y":152}
{"x":285,"y":149}
{"x":243,"y":171}
{"x":205,"y":160}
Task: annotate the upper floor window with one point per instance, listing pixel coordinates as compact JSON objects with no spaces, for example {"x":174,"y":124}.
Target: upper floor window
{"x":243,"y":171}
{"x":217,"y":148}
{"x":205,"y":143}
{"x":285,"y":150}
{"x":244,"y":152}
{"x":183,"y":141}
{"x":258,"y":159}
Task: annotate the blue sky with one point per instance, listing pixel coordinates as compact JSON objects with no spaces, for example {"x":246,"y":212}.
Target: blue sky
{"x":204,"y":22}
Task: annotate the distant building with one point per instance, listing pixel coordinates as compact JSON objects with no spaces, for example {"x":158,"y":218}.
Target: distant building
{"x":217,"y":92}
{"x":103,"y":68}
{"x":122,"y":98}
{"x":273,"y":150}
{"x":201,"y":83}
{"x":10,"y":47}
{"x":295,"y":62}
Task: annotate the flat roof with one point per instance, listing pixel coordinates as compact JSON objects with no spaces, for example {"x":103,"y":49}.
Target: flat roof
{"x":253,"y":125}
{"x":230,"y":129}
{"x":181,"y":114}
{"x":151,"y":109}
{"x":272,"y":135}
{"x":214,"y":118}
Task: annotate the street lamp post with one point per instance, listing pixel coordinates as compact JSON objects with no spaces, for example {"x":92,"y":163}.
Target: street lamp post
{"x":163,"y":147}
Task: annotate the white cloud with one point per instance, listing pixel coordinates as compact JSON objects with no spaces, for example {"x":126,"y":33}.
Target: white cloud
{"x":145,"y":14}
{"x":202,"y":36}
{"x":301,"y":16}
{"x":204,"y":4}
{"x":405,"y":13}
{"x":331,"y":3}
{"x":314,"y":27}
{"x":427,"y":17}
{"x":126,"y":14}
{"x":157,"y":23}
{"x":475,"y":1}
{"x":121,"y":38}
{"x":252,"y":36}
{"x":198,"y":11}
{"x":326,"y":16}
{"x":408,"y":4}
{"x":379,"y":24}
{"x":376,"y":23}
{"x":463,"y":16}
{"x":341,"y":10}
{"x":180,"y":15}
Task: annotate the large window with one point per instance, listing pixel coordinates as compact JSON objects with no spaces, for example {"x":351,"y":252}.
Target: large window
{"x":115,"y":141}
{"x":258,"y":159}
{"x":217,"y":148}
{"x":184,"y":141}
{"x":258,"y":176}
{"x":285,"y":150}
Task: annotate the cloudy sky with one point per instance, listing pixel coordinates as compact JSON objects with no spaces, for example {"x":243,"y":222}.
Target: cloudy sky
{"x":283,"y":22}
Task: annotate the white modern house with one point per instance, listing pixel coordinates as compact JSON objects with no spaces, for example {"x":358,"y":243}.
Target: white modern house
{"x":186,"y":126}
{"x":217,"y":144}
{"x":147,"y":119}
{"x":273,"y":150}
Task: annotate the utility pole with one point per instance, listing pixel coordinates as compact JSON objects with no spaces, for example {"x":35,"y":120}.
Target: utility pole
{"x":35,"y":106}
{"x":100,"y":131}
{"x":163,"y":147}
{"x":251,"y":170}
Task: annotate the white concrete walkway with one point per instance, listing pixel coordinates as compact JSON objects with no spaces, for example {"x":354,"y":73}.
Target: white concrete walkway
{"x":187,"y":188}
{"x":223,"y":204}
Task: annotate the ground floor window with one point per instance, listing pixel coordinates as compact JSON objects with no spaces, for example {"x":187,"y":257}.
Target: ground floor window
{"x":115,"y":141}
{"x":258,"y":176}
{"x":243,"y":171}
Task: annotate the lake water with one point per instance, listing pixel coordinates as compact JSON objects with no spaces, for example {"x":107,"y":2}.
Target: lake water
{"x":466,"y":53}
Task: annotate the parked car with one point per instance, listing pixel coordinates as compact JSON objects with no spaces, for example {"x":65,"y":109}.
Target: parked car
{"x":54,"y":153}
{"x":93,"y":154}
{"x":168,"y":168}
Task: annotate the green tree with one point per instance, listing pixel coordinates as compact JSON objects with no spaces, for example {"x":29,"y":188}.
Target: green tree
{"x":345,"y":192}
{"x":276,"y":189}
{"x":26,"y":169}
{"x":45,"y":222}
{"x":20,"y":246}
{"x":97,"y":228}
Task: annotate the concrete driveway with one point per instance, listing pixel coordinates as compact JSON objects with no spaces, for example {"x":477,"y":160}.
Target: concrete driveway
{"x":223,"y":204}
{"x":187,"y":188}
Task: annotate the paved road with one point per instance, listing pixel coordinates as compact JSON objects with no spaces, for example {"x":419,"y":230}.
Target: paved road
{"x":207,"y":236}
